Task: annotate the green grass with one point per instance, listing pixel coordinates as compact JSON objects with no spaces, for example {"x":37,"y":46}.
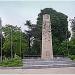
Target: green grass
{"x":14,"y":62}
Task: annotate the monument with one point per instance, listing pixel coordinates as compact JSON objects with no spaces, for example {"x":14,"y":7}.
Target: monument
{"x":47,"y":52}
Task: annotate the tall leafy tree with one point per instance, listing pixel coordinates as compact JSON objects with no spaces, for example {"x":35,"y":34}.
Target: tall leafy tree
{"x":59,"y":26}
{"x":73,"y":28}
{"x":19,"y":43}
{"x":31,"y":38}
{"x":29,"y":35}
{"x":71,"y":45}
{"x":1,"y":44}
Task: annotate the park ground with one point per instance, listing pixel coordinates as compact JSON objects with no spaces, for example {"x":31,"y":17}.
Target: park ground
{"x":64,"y":70}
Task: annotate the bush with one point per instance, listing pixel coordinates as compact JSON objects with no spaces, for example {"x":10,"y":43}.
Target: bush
{"x":14,"y":62}
{"x":72,"y":57}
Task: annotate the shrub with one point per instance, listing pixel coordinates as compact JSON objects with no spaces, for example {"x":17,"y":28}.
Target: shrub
{"x":14,"y":62}
{"x":72,"y":57}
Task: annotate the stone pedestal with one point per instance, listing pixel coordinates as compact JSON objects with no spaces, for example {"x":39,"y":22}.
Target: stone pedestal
{"x":47,"y":52}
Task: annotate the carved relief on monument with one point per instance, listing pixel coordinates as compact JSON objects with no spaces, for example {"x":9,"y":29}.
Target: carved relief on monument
{"x":46,"y":38}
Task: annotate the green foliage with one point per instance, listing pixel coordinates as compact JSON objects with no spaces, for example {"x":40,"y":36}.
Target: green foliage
{"x":14,"y":62}
{"x":63,"y":48}
{"x":59,"y":26}
{"x":19,"y":40}
{"x":72,"y":57}
{"x":71,"y":47}
{"x":33,"y":43}
{"x":35,"y":50}
{"x":60,"y":33}
{"x":29,"y":35}
{"x":1,"y":39}
{"x":73,"y":27}
{"x":67,"y":48}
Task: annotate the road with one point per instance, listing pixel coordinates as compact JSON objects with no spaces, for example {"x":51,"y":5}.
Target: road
{"x":65,"y":70}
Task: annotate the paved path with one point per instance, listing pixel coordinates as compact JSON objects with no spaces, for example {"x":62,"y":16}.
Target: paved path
{"x":65,"y":70}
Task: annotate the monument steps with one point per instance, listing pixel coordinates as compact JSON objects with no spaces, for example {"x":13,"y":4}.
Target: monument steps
{"x":39,"y":63}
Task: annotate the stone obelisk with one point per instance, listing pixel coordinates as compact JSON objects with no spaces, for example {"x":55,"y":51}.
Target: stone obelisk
{"x":47,"y":52}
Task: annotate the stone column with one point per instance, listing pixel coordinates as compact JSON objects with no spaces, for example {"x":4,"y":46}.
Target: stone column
{"x":47,"y":52}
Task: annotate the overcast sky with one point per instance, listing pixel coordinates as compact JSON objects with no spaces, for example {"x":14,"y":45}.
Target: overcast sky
{"x":17,"y":12}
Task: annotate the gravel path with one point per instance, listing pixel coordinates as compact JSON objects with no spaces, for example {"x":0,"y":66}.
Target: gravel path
{"x":65,"y":70}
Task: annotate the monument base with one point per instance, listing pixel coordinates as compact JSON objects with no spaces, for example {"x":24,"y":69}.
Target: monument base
{"x":55,"y":63}
{"x":47,"y":55}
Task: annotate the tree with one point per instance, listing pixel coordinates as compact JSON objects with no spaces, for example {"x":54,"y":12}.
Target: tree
{"x":31,"y":38}
{"x":1,"y":46}
{"x":29,"y":35}
{"x":16,"y":44}
{"x":59,"y":26}
{"x":71,"y":47}
{"x":1,"y":43}
{"x":73,"y":27}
